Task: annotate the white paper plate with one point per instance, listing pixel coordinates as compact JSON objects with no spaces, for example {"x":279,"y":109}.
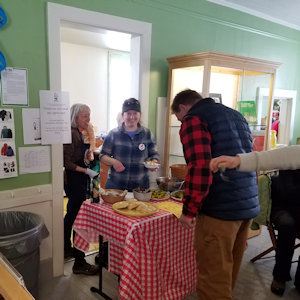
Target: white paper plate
{"x":151,"y":166}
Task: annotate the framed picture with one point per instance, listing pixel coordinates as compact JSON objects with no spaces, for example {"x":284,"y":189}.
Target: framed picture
{"x":216,"y":97}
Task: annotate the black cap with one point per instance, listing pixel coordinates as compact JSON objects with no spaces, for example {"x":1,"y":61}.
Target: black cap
{"x":131,"y":104}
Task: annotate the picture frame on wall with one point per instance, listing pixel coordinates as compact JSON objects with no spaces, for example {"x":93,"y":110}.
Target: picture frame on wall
{"x":217,"y":97}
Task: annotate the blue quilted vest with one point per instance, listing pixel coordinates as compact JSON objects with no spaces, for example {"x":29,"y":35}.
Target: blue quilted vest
{"x":230,"y":134}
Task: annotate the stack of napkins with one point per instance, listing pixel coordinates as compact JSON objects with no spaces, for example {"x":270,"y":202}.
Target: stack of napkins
{"x":172,"y":207}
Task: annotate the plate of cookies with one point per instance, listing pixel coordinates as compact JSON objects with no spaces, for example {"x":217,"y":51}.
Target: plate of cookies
{"x":134,"y":208}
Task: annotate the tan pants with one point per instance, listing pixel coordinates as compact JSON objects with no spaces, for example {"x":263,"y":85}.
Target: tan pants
{"x":219,"y":249}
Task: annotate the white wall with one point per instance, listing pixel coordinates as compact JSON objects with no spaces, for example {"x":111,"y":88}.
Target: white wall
{"x":84,"y":76}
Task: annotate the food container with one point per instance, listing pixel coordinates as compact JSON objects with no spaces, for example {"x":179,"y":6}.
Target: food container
{"x":169,"y":184}
{"x":113,"y":196}
{"x":160,"y":195}
{"x":142,"y":194}
{"x":177,"y":195}
{"x":179,"y":171}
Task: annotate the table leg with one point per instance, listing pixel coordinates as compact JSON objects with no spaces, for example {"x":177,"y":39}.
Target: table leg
{"x":101,"y":266}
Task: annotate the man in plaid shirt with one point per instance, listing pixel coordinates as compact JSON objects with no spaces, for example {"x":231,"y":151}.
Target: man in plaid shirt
{"x":219,"y":206}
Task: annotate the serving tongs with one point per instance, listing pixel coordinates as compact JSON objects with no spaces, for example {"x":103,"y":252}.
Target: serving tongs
{"x":222,"y":170}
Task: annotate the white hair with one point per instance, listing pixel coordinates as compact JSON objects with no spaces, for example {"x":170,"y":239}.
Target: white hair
{"x":76,"y":109}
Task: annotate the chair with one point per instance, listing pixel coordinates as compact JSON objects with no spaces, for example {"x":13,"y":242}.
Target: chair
{"x":264,"y":194}
{"x":273,"y":238}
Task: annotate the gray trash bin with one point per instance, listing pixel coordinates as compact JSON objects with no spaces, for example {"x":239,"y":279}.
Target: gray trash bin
{"x":20,"y":237}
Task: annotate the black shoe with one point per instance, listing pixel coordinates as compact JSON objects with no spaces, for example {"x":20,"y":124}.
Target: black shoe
{"x":68,"y":253}
{"x":278,"y":287}
{"x":85,"y":268}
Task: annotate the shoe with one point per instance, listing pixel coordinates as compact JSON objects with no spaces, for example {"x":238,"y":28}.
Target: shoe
{"x":85,"y":268}
{"x":278,"y":287}
{"x":68,"y":253}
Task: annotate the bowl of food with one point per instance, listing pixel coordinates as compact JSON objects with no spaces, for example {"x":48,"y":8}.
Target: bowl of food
{"x":160,"y":195}
{"x":113,"y":195}
{"x":142,"y":194}
{"x":169,"y":184}
{"x":177,"y":195}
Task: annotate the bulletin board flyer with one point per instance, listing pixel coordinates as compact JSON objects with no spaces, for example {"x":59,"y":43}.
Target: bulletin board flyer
{"x":8,"y":162}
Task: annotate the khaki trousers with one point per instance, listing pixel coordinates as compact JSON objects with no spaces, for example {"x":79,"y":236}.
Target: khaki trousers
{"x":219,"y":246}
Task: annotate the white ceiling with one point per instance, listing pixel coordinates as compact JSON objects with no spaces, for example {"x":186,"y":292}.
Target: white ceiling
{"x":284,"y":12}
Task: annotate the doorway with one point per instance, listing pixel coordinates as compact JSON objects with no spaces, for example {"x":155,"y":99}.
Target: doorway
{"x":140,"y":33}
{"x":96,"y":70}
{"x":283,"y":108}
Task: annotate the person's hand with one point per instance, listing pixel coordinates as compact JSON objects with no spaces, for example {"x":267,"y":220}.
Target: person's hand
{"x":91,"y":173}
{"x":187,"y":221}
{"x":228,"y":162}
{"x":118,"y":166}
{"x":90,"y":155}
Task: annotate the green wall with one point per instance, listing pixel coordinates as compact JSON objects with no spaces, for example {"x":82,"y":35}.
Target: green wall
{"x":178,"y":27}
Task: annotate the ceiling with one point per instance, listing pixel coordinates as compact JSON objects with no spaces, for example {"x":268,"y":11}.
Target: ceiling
{"x":284,"y":12}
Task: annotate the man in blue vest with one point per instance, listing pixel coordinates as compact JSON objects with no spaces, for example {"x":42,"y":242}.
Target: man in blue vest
{"x":219,"y":206}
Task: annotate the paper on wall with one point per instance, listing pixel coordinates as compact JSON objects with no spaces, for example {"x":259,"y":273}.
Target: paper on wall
{"x":55,"y":117}
{"x":14,"y":86}
{"x":31,"y":126}
{"x":8,"y":162}
{"x":34,"y":159}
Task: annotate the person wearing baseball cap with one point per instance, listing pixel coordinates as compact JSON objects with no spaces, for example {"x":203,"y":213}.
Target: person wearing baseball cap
{"x":126,"y":148}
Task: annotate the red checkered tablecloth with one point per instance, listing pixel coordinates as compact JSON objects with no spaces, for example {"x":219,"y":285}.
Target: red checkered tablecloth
{"x":154,"y":255}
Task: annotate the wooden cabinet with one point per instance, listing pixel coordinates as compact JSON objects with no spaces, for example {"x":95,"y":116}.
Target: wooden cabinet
{"x":234,"y":81}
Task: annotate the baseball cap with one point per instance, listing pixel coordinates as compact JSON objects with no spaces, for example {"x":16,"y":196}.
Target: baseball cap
{"x":131,"y":104}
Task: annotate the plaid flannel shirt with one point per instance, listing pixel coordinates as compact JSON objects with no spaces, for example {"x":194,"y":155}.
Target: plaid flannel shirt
{"x":196,"y":141}
{"x":132,"y":152}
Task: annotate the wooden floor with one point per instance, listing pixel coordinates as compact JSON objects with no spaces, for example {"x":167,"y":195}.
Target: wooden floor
{"x":253,"y":283}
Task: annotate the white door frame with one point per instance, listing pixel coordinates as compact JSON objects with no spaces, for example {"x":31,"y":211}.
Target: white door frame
{"x":141,"y":32}
{"x":280,"y":93}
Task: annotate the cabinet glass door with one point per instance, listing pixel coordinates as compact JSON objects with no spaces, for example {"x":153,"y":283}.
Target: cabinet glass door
{"x":232,"y":80}
{"x":255,"y":111}
{"x":239,"y":89}
{"x":183,"y":78}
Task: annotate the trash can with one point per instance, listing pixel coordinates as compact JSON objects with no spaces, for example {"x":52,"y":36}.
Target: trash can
{"x":20,"y":237}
